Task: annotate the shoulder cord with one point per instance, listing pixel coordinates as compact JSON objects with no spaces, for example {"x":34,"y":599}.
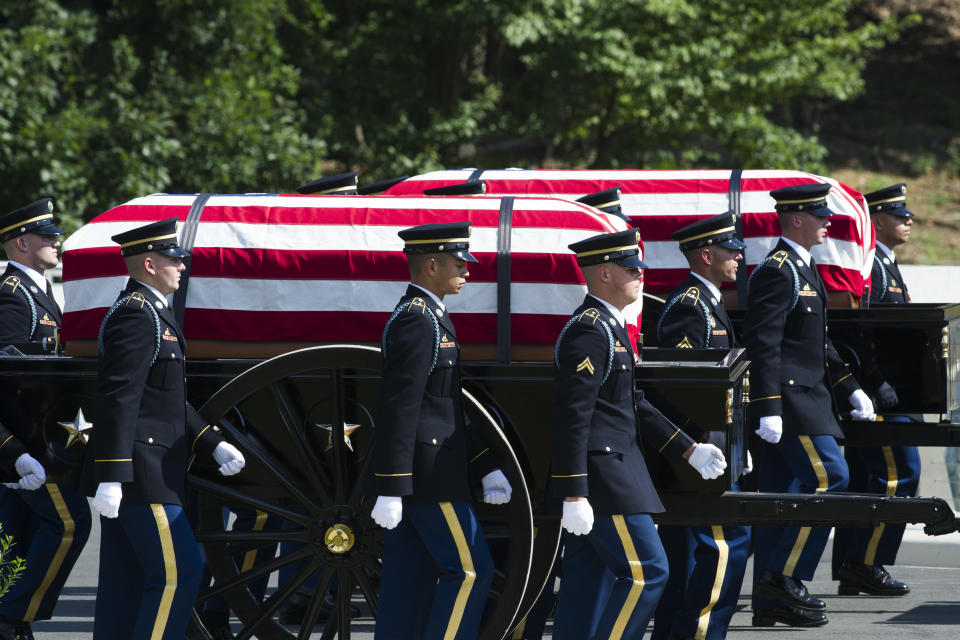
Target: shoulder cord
{"x":116,"y":305}
{"x":33,"y":311}
{"x":883,"y":278}
{"x":436,"y":333}
{"x":606,"y":331}
{"x":703,"y":308}
{"x":793,"y":272}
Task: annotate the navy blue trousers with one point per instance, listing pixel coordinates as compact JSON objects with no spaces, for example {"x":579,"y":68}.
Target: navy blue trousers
{"x":436,"y":574}
{"x":891,"y":471}
{"x":797,"y":464}
{"x":49,"y":527}
{"x":706,"y":572}
{"x":612,"y":579}
{"x":150,"y":569}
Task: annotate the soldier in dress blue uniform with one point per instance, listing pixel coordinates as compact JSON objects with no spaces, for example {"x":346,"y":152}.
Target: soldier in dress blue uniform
{"x":136,"y":462}
{"x":614,"y":567}
{"x":437,"y":568}
{"x":707,"y":563}
{"x":51,"y":524}
{"x":607,"y":201}
{"x":859,"y":555}
{"x":794,"y":373}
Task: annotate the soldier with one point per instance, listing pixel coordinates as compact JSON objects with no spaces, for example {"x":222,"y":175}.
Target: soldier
{"x":794,"y":372}
{"x":136,"y":461}
{"x":707,"y":563}
{"x":859,"y":555}
{"x":437,"y":568}
{"x":614,"y":567}
{"x":50,"y":524}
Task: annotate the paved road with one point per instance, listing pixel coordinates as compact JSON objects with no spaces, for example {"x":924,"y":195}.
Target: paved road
{"x":931,"y":611}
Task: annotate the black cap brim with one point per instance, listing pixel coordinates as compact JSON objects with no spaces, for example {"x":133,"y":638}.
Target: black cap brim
{"x":901,"y":212}
{"x":466,"y":256}
{"x":174,"y":252}
{"x":48,"y":230}
{"x":732,"y":243}
{"x":821,"y":212}
{"x":631,"y":262}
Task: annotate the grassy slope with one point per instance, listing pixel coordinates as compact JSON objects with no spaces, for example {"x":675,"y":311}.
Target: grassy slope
{"x":906,"y":128}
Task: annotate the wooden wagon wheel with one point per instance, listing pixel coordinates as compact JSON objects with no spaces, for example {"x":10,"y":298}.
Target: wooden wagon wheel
{"x":304,"y":422}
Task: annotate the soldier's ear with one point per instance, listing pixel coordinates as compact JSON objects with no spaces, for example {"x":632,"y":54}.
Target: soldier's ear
{"x":706,"y":254}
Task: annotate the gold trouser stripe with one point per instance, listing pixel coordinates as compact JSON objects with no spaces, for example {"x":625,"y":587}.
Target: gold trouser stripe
{"x":69,"y":527}
{"x":170,"y":563}
{"x":392,"y":475}
{"x":822,"y":485}
{"x":251,"y":555}
{"x":764,"y":398}
{"x":636,"y":572}
{"x":723,"y":552}
{"x":9,"y":438}
{"x":892,"y":480}
{"x":470,"y":574}
{"x":518,"y":632}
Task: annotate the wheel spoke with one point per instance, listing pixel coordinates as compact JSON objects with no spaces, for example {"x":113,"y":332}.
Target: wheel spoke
{"x":369,"y":591}
{"x":276,"y":599}
{"x":275,"y":471}
{"x":304,"y":451}
{"x":234,"y":497}
{"x":221,"y":586}
{"x":262,"y":538}
{"x":312,"y":613}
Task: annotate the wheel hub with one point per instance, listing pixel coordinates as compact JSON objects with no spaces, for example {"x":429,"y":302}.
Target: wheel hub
{"x":339,"y":538}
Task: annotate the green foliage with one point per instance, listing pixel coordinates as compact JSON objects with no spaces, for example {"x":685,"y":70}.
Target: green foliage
{"x":101,"y":101}
{"x":10,"y":568}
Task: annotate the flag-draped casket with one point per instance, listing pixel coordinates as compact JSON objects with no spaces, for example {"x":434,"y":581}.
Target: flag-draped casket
{"x":660,"y":202}
{"x":289,"y":270}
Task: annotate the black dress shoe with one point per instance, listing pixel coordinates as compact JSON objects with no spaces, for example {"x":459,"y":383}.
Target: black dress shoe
{"x":787,"y":590}
{"x":790,"y":616}
{"x":15,"y":630}
{"x":869,"y":579}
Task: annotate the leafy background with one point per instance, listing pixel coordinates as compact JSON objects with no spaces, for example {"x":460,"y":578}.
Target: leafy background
{"x":102,"y":101}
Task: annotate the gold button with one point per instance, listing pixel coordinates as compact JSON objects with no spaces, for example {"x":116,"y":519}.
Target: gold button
{"x":809,"y":309}
{"x":607,"y":448}
{"x":623,"y":366}
{"x":790,"y":382}
{"x":434,"y":441}
{"x":150,"y":440}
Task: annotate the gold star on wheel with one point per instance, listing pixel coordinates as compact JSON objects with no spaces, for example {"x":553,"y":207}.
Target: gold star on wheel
{"x":347,"y":430}
{"x":77,"y":429}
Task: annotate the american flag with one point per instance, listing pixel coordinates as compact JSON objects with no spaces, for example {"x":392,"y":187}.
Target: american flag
{"x":311,"y":269}
{"x":660,"y":202}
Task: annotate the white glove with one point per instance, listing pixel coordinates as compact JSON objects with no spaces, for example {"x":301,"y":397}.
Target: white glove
{"x":749,"y":466}
{"x":106,"y":502}
{"x":229,"y":458}
{"x":771,"y":428}
{"x":862,"y":407}
{"x":708,"y":460}
{"x":496,"y":488}
{"x":32,"y":475}
{"x":388,"y":511}
{"x":577,"y":517}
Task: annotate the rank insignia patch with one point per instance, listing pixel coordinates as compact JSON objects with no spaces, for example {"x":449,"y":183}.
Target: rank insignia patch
{"x":684,"y":344}
{"x":586,"y":365}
